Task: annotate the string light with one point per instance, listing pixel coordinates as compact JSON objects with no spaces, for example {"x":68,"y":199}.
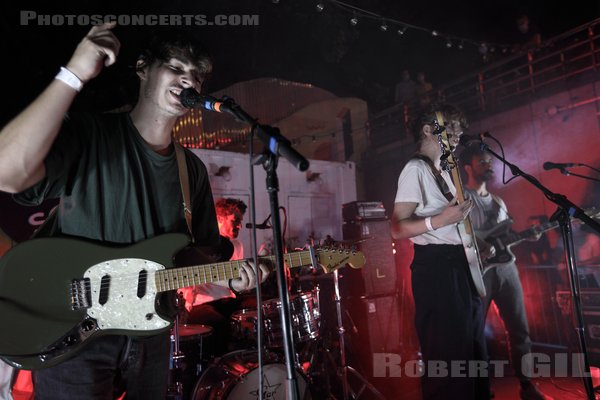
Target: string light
{"x":401,"y":27}
{"x":383,"y":27}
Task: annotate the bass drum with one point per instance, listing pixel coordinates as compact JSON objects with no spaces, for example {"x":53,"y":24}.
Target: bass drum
{"x":235,"y":377}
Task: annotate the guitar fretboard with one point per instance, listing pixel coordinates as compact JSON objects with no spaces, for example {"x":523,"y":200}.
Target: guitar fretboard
{"x":514,"y":237}
{"x":176,"y":278}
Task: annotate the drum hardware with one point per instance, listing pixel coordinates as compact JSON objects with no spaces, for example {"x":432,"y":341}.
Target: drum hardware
{"x":175,"y":385}
{"x":187,"y":358}
{"x":343,"y":370}
{"x":319,"y":356}
{"x":305,"y":317}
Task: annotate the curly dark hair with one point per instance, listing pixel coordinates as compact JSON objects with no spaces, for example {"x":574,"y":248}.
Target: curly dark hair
{"x":449,"y":111}
{"x":175,"y":43}
{"x":228,"y":206}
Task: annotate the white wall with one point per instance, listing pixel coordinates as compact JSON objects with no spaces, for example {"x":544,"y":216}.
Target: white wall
{"x":314,"y":207}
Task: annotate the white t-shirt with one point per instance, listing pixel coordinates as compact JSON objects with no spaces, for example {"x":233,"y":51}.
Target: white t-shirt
{"x":417,"y":184}
{"x":238,"y":249}
{"x":488,"y":210}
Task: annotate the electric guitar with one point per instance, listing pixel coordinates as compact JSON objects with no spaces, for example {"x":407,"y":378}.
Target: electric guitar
{"x":465,"y":228}
{"x":57,"y":294}
{"x":502,"y":238}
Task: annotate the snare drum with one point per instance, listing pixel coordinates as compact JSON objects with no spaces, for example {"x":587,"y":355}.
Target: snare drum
{"x":235,"y":377}
{"x":305,"y":318}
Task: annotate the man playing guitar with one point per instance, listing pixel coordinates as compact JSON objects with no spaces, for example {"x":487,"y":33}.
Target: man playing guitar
{"x":117,"y":177}
{"x":502,"y":282}
{"x":448,"y":306}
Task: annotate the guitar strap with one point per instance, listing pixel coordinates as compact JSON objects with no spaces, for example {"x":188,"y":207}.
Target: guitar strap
{"x":439,"y":179}
{"x":184,"y":182}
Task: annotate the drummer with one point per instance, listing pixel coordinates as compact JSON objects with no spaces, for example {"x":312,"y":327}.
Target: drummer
{"x":211,"y":304}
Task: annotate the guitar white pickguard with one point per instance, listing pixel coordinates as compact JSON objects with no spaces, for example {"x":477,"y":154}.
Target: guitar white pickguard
{"x":123,"y":308}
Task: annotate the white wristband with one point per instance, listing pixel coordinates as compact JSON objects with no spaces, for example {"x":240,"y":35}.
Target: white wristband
{"x":69,"y":78}
{"x":428,"y":224}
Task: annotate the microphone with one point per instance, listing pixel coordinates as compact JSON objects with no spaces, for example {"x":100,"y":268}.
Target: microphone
{"x":550,"y":165}
{"x":192,"y":99}
{"x":264,"y":225}
{"x":270,"y":136}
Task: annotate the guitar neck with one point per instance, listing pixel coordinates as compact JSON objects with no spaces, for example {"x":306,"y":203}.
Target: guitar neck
{"x":176,"y":278}
{"x":460,"y":196}
{"x":514,"y":237}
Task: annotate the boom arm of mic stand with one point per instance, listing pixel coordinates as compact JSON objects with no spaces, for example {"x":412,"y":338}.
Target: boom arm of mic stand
{"x":560,"y":200}
{"x":270,"y":136}
{"x":569,"y":173}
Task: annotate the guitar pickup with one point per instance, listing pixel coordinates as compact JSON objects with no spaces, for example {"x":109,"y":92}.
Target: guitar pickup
{"x":81,"y":296}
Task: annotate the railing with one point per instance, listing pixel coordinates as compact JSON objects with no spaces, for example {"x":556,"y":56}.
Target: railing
{"x":571,"y":58}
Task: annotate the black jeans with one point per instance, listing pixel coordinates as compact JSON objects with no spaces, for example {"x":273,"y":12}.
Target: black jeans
{"x":106,"y":367}
{"x":449,"y":322}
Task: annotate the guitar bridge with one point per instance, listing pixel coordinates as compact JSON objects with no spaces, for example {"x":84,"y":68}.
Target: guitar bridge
{"x":81,"y":296}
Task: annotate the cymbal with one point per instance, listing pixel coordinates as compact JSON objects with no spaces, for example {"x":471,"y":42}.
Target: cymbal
{"x":193,"y":329}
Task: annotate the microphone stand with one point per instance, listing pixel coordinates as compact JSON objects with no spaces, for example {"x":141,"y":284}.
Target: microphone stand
{"x":277,"y":145}
{"x":563,"y":214}
{"x":569,"y":173}
{"x":259,"y":301}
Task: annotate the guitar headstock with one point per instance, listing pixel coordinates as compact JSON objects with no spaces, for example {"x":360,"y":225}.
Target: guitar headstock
{"x":447,"y":161}
{"x":333,"y":258}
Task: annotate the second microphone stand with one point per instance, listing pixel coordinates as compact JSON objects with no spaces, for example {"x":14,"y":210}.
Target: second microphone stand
{"x":565,"y":211}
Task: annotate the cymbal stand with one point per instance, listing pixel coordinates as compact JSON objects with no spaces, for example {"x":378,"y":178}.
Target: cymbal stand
{"x":175,"y":388}
{"x":344,"y":369}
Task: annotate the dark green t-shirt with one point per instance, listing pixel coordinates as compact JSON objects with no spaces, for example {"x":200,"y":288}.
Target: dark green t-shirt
{"x":113,"y":187}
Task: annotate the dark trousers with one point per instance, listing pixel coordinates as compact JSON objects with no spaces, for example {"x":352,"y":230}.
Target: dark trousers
{"x":449,"y":322}
{"x":503,"y":286}
{"x":108,"y":366}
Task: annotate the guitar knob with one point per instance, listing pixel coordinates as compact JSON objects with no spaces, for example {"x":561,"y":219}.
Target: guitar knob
{"x":70,"y":340}
{"x":88,"y":325}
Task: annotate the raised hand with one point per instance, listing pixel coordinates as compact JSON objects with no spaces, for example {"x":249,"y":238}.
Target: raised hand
{"x":98,"y":48}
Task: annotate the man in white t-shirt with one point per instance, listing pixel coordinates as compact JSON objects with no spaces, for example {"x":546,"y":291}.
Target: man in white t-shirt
{"x":448,"y":310}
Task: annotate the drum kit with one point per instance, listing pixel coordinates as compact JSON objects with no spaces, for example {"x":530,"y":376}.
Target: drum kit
{"x":321,"y":363}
